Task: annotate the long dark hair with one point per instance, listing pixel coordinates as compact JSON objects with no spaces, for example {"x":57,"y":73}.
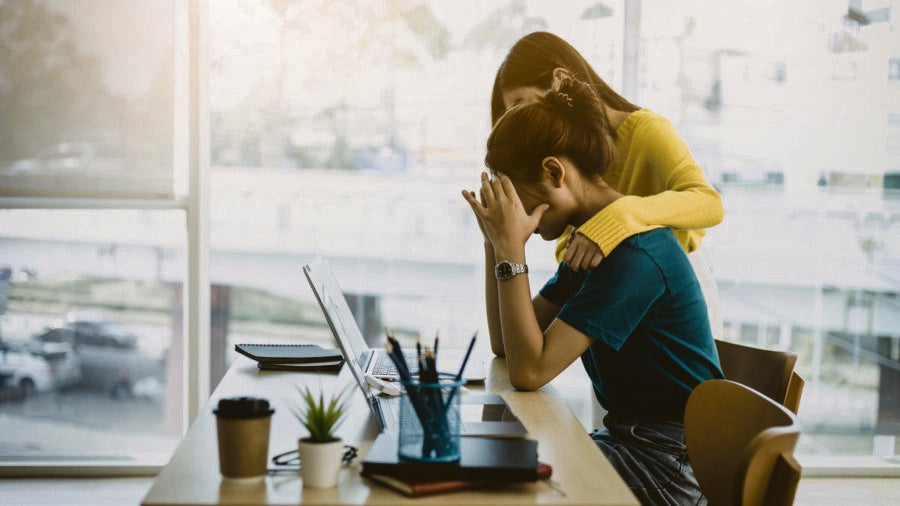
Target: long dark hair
{"x":567,"y":121}
{"x":531,"y":61}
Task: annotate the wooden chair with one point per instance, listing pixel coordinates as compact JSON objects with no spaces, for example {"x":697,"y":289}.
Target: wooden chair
{"x":741,"y":445}
{"x":794,"y":392}
{"x":770,"y":372}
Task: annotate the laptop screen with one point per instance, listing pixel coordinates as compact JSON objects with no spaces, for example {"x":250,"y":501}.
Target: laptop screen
{"x":339,"y":317}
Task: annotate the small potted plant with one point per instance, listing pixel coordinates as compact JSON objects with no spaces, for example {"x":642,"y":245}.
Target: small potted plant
{"x":322,"y":451}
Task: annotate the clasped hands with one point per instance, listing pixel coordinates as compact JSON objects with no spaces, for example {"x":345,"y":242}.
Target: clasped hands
{"x":507,"y":225}
{"x":503,"y":220}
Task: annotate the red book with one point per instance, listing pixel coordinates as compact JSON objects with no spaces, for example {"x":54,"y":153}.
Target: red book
{"x":413,"y":487}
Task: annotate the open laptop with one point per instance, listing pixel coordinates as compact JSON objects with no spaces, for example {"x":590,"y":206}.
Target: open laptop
{"x":485,"y":415}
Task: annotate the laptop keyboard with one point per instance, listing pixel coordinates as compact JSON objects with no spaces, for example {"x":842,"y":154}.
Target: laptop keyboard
{"x":384,"y":366}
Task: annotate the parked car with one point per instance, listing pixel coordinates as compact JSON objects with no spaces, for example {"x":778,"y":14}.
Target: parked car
{"x":62,"y":335}
{"x":106,"y":365}
{"x":63,"y":359}
{"x":23,"y":370}
{"x":94,"y":328}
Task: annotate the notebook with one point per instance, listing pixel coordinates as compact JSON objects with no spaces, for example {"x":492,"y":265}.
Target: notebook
{"x":292,"y":357}
{"x":288,"y":353}
{"x":484,"y":415}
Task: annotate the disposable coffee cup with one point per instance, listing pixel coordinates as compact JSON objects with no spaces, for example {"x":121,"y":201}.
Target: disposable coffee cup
{"x":242,"y":427}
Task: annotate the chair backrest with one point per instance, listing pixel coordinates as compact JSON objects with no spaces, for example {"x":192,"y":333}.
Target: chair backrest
{"x":795,"y":391}
{"x":770,"y":372}
{"x":741,"y":445}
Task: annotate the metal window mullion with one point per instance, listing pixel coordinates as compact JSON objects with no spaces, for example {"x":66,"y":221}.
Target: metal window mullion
{"x":197,"y":317}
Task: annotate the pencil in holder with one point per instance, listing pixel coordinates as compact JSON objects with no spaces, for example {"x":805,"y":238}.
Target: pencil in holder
{"x":430,"y":421}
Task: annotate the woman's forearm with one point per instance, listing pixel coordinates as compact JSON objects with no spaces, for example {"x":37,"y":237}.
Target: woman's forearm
{"x":491,"y":301}
{"x":523,"y":338}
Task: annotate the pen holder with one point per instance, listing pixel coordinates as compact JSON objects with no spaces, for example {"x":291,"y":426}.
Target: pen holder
{"x":430,"y":421}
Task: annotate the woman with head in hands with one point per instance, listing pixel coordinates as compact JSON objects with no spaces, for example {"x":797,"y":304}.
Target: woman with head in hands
{"x":637,"y":320}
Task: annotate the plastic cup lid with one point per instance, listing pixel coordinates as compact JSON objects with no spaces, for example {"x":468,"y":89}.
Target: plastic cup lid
{"x":243,"y":407}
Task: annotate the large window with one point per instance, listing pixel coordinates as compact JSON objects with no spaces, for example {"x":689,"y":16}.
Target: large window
{"x":93,"y":235}
{"x":347,"y":129}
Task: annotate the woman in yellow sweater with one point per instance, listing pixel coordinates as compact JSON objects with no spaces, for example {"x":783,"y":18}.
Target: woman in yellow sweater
{"x":652,"y":165}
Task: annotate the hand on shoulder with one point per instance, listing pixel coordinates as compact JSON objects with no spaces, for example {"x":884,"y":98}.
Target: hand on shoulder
{"x":582,"y":253}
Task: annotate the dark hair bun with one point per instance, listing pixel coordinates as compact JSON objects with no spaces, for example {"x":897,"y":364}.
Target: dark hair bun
{"x":560,"y":99}
{"x":577,"y":100}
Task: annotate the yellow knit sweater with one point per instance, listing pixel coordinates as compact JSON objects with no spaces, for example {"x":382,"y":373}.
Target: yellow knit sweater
{"x":662,"y":184}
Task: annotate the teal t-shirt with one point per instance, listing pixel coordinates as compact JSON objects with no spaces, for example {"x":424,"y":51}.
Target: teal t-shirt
{"x":646,"y":313}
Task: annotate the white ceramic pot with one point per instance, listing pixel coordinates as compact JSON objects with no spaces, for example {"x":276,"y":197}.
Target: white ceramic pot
{"x":320,"y":463}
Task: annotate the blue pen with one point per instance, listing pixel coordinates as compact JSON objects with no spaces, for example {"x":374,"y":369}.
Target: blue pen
{"x":462,"y":366}
{"x":400,"y":360}
{"x":435,"y":346}
{"x":401,"y":368}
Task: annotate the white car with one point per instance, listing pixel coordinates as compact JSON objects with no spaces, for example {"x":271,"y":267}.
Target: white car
{"x":20,"y":368}
{"x":64,"y":361}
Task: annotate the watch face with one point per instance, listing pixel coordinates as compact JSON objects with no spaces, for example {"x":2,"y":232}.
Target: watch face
{"x":504,"y":270}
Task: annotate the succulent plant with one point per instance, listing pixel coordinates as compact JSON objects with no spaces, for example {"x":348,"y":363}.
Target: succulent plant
{"x":321,"y":416}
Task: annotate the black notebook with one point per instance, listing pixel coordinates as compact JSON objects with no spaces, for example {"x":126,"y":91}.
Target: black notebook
{"x":481,"y":459}
{"x":301,"y":367}
{"x":289,"y":353}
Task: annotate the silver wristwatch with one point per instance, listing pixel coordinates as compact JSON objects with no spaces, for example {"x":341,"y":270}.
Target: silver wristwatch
{"x":506,"y":270}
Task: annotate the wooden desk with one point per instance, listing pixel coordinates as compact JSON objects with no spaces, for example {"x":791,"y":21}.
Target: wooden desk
{"x":581,"y":473}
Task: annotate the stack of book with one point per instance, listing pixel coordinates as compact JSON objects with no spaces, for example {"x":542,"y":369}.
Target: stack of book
{"x":484,"y":463}
{"x":292,"y":357}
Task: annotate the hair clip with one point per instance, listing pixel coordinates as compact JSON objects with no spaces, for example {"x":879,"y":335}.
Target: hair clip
{"x":565,"y":98}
